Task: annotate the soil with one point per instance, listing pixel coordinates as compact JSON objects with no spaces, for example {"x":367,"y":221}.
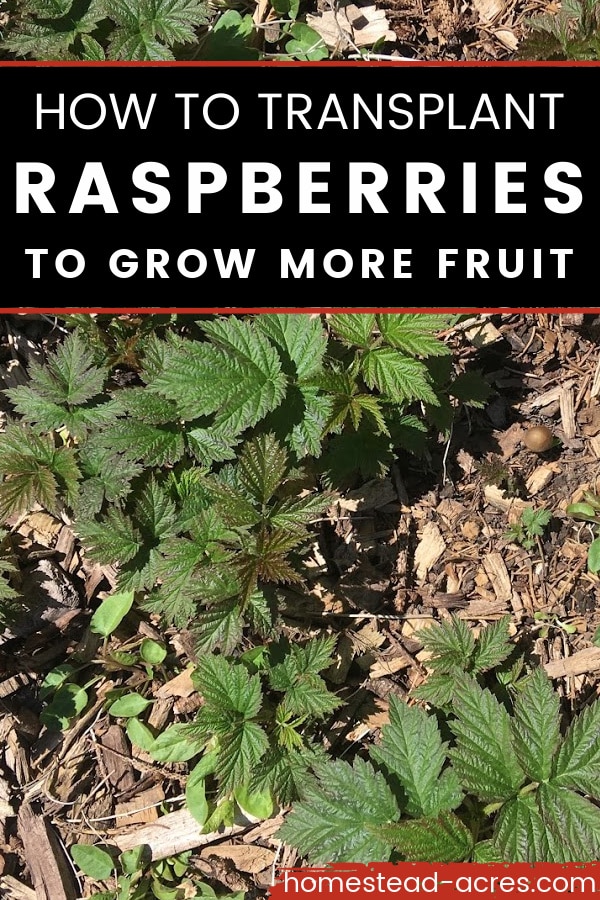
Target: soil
{"x":391,"y":557}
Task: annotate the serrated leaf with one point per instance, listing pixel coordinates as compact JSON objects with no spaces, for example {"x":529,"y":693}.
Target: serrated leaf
{"x":573,"y":822}
{"x":414,"y":334}
{"x":111,"y":613}
{"x":155,"y":445}
{"x":220,"y":626}
{"x":228,"y":686}
{"x":399,"y":377}
{"x":441,"y":839}
{"x":438,"y":689}
{"x":337,"y":820}
{"x":578,"y":762}
{"x":353,"y":328}
{"x":483,"y":758}
{"x":240,"y":380}
{"x":411,"y":748}
{"x":68,"y":376}
{"x":262,"y":467}
{"x":143,"y":24}
{"x":471,"y":388}
{"x":357,"y":452}
{"x":485,"y":852}
{"x":284,"y":771}
{"x":492,"y":646}
{"x":301,"y":338}
{"x":239,"y":752}
{"x":520,"y":834}
{"x":536,"y":726}
{"x":451,"y":643}
{"x":113,"y":540}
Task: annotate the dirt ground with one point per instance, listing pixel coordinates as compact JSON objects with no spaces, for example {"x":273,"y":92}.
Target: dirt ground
{"x":391,"y":557}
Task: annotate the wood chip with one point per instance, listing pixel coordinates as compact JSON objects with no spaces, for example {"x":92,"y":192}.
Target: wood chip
{"x":119,"y":768}
{"x":567,"y":411}
{"x":430,"y":548}
{"x":539,"y":401}
{"x":587,"y":660}
{"x":246,"y":857}
{"x":11,"y":889}
{"x":385,"y":667}
{"x":352,"y":25}
{"x":180,"y":686}
{"x":172,"y":834}
{"x":541,"y":477}
{"x":512,"y":506}
{"x":480,"y":332}
{"x":143,"y":808}
{"x":51,"y":873}
{"x":372,"y":495}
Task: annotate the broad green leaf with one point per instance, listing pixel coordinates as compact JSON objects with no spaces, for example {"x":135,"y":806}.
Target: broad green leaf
{"x":306,"y":44}
{"x":483,"y":757}
{"x":139,"y":734}
{"x":399,"y":377}
{"x":146,"y":26}
{"x":594,"y":556}
{"x":136,"y":859}
{"x":94,"y":862}
{"x":520,"y":834}
{"x":337,"y":820}
{"x":578,"y":762}
{"x":152,"y":652}
{"x":536,"y":726}
{"x":440,"y":839}
{"x":239,"y":752}
{"x":353,"y":328}
{"x":129,"y":705}
{"x":228,"y":686}
{"x":254,"y":804}
{"x":111,"y":613}
{"x":55,"y":678}
{"x":174,"y":745}
{"x":230,"y":38}
{"x":195,"y":788}
{"x":412,"y":749}
{"x":68,"y":702}
{"x":573,"y":822}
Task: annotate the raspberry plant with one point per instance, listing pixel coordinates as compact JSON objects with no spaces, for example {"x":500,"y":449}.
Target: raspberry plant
{"x":506,"y":787}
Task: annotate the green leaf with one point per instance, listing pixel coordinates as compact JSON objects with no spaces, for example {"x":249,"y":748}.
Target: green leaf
{"x":68,"y":702}
{"x":231,"y":37}
{"x":492,"y":646}
{"x":55,"y":678}
{"x":441,"y":839}
{"x":111,"y":613}
{"x":483,"y":758}
{"x":239,"y":752}
{"x":337,"y":820}
{"x":136,"y":859}
{"x":255,"y":804}
{"x":195,"y":788}
{"x":536,"y":731}
{"x":94,"y":862}
{"x":485,"y":852}
{"x":301,"y":338}
{"x":114,"y":539}
{"x":520,"y":834}
{"x":451,"y":643}
{"x":262,"y":467}
{"x":594,"y":556}
{"x":306,"y":44}
{"x":414,"y":334}
{"x":139,"y":734}
{"x":412,"y":749}
{"x":573,"y":822}
{"x":399,"y":377}
{"x":152,"y":652}
{"x":175,"y":745}
{"x":355,"y":329}
{"x":284,"y":771}
{"x":471,"y":389}
{"x":68,"y":376}
{"x":129,"y":705}
{"x":578,"y":762}
{"x":146,"y":26}
{"x":238,"y":377}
